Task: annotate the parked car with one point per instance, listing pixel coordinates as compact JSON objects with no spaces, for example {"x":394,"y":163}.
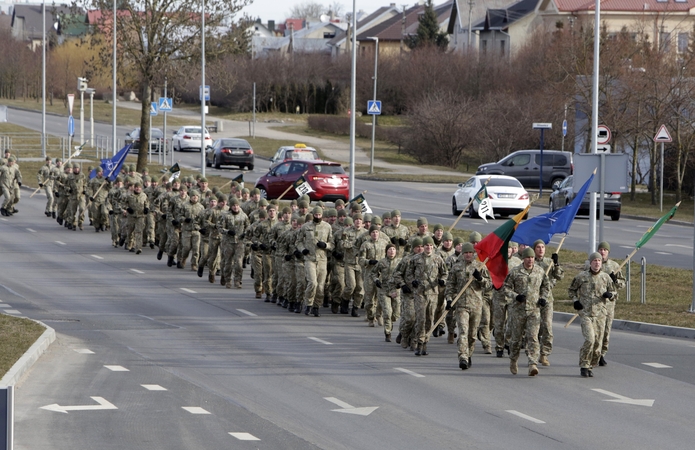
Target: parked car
{"x":328,"y":179}
{"x":507,"y":195}
{"x":564,"y":194}
{"x":229,"y":151}
{"x":156,"y":143}
{"x":525,"y":165}
{"x":188,"y":137}
{"x":294,"y":152}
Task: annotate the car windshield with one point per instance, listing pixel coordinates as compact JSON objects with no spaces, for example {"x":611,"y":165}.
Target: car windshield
{"x":507,"y":182}
{"x":301,"y":154}
{"x":234,"y":143}
{"x":329,"y":169}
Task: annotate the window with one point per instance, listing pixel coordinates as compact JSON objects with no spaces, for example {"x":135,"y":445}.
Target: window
{"x":665,"y":41}
{"x":683,"y":39}
{"x":282,"y":169}
{"x":502,"y":48}
{"x":519,"y":160}
{"x":551,"y":160}
{"x":329,"y":169}
{"x":506,"y":182}
{"x":483,"y":46}
{"x":298,"y":167}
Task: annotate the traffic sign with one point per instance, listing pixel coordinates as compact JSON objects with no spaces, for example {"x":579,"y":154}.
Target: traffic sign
{"x":153,"y":109}
{"x":166,"y":104}
{"x":71,"y":126}
{"x":207,"y":93}
{"x":564,"y":127}
{"x":374,"y":107}
{"x":603,"y":148}
{"x":603,"y":135}
{"x":663,"y":135}
{"x":542,"y":126}
{"x":71,"y":102}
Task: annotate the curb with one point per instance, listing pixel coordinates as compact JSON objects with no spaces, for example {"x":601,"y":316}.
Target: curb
{"x":29,"y":357}
{"x":637,"y":327}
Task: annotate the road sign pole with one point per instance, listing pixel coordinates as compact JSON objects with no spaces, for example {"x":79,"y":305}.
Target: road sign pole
{"x":164,"y":144}
{"x":540,"y":191}
{"x":661,"y":180}
{"x":692,"y":305}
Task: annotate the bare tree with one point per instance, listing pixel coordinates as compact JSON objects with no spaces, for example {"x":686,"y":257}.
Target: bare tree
{"x":307,"y":10}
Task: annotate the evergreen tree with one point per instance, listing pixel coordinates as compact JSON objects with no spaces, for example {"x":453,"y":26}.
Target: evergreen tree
{"x":428,"y":33}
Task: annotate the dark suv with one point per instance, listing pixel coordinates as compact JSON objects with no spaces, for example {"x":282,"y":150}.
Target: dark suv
{"x":564,"y":193}
{"x":525,"y":166}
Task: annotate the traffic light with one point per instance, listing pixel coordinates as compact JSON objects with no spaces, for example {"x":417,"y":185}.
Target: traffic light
{"x":81,"y":84}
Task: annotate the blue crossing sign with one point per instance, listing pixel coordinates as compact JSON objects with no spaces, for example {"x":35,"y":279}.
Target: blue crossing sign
{"x":166,"y":104}
{"x":71,"y":126}
{"x":206,"y":92}
{"x":153,"y":109}
{"x":374,"y":107}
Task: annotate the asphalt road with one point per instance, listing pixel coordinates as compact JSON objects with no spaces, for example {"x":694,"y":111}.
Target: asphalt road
{"x":154,"y":357}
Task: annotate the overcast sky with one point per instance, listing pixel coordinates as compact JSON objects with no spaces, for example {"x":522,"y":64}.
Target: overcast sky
{"x":278,"y":9}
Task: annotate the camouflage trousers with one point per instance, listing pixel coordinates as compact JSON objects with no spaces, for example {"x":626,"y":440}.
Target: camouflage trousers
{"x":592,"y":330}
{"x":267,"y":261}
{"x":173,"y":234}
{"x":546,"y":330}
{"x":353,"y":285}
{"x":289,"y":280}
{"x":407,"y":323}
{"x":137,"y":225}
{"x":275,"y":269}
{"x":500,"y":315}
{"x":315,"y":282}
{"x":300,"y":285}
{"x":232,"y":254}
{"x":485,"y":324}
{"x":390,"y":308}
{"x":62,"y":205}
{"x":424,"y":302}
{"x":337,"y":282}
{"x":213,"y":255}
{"x":98,"y":214}
{"x":114,"y":220}
{"x":610,"y":312}
{"x":190,"y":245}
{"x":50,"y":199}
{"x":162,"y":234}
{"x":468,"y":319}
{"x":75,"y":210}
{"x":371,"y":302}
{"x":257,"y":266}
{"x":525,"y":324}
{"x":204,"y":247}
{"x":450,"y":319}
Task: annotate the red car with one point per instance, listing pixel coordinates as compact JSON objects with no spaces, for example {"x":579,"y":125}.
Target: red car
{"x":328,"y":180}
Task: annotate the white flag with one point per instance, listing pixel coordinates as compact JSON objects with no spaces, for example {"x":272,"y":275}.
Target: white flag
{"x":302,"y":187}
{"x":485,"y":210}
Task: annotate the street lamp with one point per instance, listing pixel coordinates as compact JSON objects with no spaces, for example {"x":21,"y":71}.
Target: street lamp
{"x":202,"y":92}
{"x":43,"y":82}
{"x":91,"y":91}
{"x":376,"y":65}
{"x":353,"y":87}
{"x":113,"y":94}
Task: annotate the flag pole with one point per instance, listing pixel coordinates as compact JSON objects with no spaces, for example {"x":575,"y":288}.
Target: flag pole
{"x":467,"y":206}
{"x":291,"y":186}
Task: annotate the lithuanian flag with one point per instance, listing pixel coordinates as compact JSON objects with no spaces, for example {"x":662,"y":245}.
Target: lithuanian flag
{"x":493,"y":249}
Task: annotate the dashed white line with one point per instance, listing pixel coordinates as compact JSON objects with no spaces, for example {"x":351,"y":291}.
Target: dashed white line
{"x":409,"y":372}
{"x":12,"y":311}
{"x":190,"y":291}
{"x":320,"y":340}
{"x":663,"y":253}
{"x":3,"y":305}
{"x":195,"y":410}
{"x":658,"y":365}
{"x":97,"y":257}
{"x":117,"y":368}
{"x":245,"y":436}
{"x":153,"y":387}
{"x":137,"y":271}
{"x":248,"y":313}
{"x":626,"y":246}
{"x":4,"y":220}
{"x":679,"y":245}
{"x":524,"y":416}
{"x":60,"y":243}
{"x":31,"y":230}
{"x":83,"y":351}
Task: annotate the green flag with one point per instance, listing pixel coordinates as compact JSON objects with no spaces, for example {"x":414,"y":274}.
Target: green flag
{"x":654,"y":228}
{"x":239,"y":178}
{"x":175,"y":172}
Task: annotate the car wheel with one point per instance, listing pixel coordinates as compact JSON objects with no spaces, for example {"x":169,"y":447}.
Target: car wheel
{"x":555,"y":184}
{"x":215,"y":162}
{"x":551,"y":208}
{"x":207,"y":163}
{"x":471,"y":212}
{"x":454,"y":208}
{"x":249,"y":166}
{"x":615,"y":216}
{"x":264,"y":194}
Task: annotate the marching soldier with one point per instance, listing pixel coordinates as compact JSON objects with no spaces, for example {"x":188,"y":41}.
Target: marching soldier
{"x":174,"y":226}
{"x":113,"y":206}
{"x":61,"y":193}
{"x":445,"y":250}
{"x":278,"y":268}
{"x":299,"y":269}
{"x":371,"y":251}
{"x":315,"y":241}
{"x":190,"y":216}
{"x":397,"y":233}
{"x":388,"y":294}
{"x":46,"y":183}
{"x":262,"y":235}
{"x":556,"y":274}
{"x":232,"y":226}
{"x":56,"y":172}
{"x":211,"y":220}
{"x":612,"y":268}
{"x":77,"y":186}
{"x":354,"y":289}
{"x":137,"y":207}
{"x":97,"y":192}
{"x":406,"y":326}
{"x":500,"y":308}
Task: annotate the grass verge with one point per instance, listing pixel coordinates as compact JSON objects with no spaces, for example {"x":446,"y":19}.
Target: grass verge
{"x":380,"y":176}
{"x":16,"y":336}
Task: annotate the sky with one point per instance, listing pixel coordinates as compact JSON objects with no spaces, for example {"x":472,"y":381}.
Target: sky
{"x":278,"y":9}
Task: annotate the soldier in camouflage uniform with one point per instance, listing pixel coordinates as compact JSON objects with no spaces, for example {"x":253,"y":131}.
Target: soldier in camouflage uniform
{"x":299,"y":270}
{"x":232,"y":226}
{"x":150,"y":189}
{"x":406,"y":326}
{"x":426,"y":274}
{"x":438,"y":235}
{"x":61,"y":193}
{"x":354,"y":289}
{"x":590,"y":290}
{"x":137,"y":207}
{"x":612,"y":268}
{"x":450,"y":319}
{"x":371,"y":251}
{"x":98,"y":190}
{"x":470,"y":304}
{"x":190,"y":216}
{"x":500,"y":308}
{"x":176,"y":200}
{"x":210,"y":205}
{"x":46,"y":183}
{"x":210,"y":221}
{"x":77,"y":185}
{"x":161,"y":211}
{"x":529,"y":286}
{"x":279,"y":269}
{"x":388,"y":294}
{"x":262,"y":237}
{"x":56,"y":172}
{"x":315,"y":242}
{"x":486,"y":320}
{"x":397,"y":233}
{"x":556,"y":273}
{"x":113,"y":206}
{"x":445,"y":250}
{"x":337,"y":284}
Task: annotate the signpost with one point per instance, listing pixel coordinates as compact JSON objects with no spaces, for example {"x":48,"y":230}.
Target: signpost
{"x":662,"y":136}
{"x":7,"y":418}
{"x":542,"y":126}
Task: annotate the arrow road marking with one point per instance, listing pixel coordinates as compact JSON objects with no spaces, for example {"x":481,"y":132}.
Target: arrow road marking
{"x":524,"y":416}
{"x":349,"y":409}
{"x":617,"y":398}
{"x":658,"y":365}
{"x":103,"y":404}
{"x":321,"y":341}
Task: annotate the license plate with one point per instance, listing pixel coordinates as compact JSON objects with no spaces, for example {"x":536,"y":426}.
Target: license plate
{"x":237,"y":152}
{"x":334,"y":181}
{"x":506,"y":195}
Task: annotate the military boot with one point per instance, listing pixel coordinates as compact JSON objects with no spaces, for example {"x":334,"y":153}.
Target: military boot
{"x":344,"y":307}
{"x":450,"y":338}
{"x":423,"y":352}
{"x":370,"y":323}
{"x":259,"y":295}
{"x":228,"y":284}
{"x":388,"y":337}
{"x":584,"y":372}
{"x":170,"y":261}
{"x":513,"y":367}
{"x":307,"y":310}
{"x":160,"y":253}
{"x":315,"y":311}
{"x":500,"y":353}
{"x":544,"y":360}
{"x":267,"y":298}
{"x":290,"y":307}
{"x":179,"y":264}
{"x":223,"y":280}
{"x":325,"y":301}
{"x":274,"y":298}
{"x":285,"y":303}
{"x":532,"y":370}
{"x":335,"y":307}
{"x":354,"y":312}
{"x":602,"y":361}
{"x":201,"y":269}
{"x":405,"y":343}
{"x":399,"y":338}
{"x":463,"y":364}
{"x":298,"y":307}
{"x":418,"y":350}
{"x":211,"y":277}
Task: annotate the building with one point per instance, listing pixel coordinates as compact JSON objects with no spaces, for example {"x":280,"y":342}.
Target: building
{"x":61,"y":21}
{"x":464,"y":14}
{"x":502,"y":28}
{"x":341,"y":43}
{"x":311,"y":37}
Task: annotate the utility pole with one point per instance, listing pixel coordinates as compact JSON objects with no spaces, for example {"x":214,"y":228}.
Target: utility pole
{"x":403,"y":28}
{"x":470,"y":13}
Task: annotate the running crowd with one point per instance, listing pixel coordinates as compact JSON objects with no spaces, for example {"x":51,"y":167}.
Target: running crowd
{"x":307,"y":257}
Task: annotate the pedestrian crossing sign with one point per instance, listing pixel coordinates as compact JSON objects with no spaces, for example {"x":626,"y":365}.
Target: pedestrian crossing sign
{"x":153,"y":109}
{"x":374,"y":107}
{"x":166,"y":104}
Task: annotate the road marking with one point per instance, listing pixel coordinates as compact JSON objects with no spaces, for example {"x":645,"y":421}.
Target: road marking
{"x":321,"y":341}
{"x":31,"y":230}
{"x":12,"y":311}
{"x":83,"y":351}
{"x":626,"y":246}
{"x":248,"y":313}
{"x":190,"y":291}
{"x":658,"y":365}
{"x":4,"y":220}
{"x":195,"y":410}
{"x":663,"y":253}
{"x":349,"y":409}
{"x":97,"y":257}
{"x":137,"y":271}
{"x":679,"y":245}
{"x":524,"y":416}
{"x":617,"y":398}
{"x":153,"y":387}
{"x":245,"y":436}
{"x":409,"y":372}
{"x":117,"y":368}
{"x":103,"y":404}
{"x":60,"y":243}
{"x":3,"y":305}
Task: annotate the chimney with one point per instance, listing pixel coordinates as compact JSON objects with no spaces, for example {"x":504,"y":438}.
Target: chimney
{"x":271,"y":26}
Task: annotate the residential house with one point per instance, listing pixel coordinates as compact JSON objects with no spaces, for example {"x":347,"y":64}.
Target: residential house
{"x":503,"y":30}
{"x":464,"y":14}
{"x":341,"y":43}
{"x":60,"y":20}
{"x":313,"y":37}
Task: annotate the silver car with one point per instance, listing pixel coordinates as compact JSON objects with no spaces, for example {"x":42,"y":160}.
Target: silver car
{"x":188,"y":137}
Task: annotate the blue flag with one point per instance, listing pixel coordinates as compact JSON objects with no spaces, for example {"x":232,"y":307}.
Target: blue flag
{"x":546,"y":225}
{"x":112,"y":167}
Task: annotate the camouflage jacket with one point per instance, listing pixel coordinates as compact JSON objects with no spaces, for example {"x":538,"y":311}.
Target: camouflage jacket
{"x":77,"y":184}
{"x":274,"y":235}
{"x":310,"y":235}
{"x":190,"y":215}
{"x":371,"y":250}
{"x":555,"y":274}
{"x":94,"y":188}
{"x":533,"y":283}
{"x":138,"y":203}
{"x":210,"y":218}
{"x":384,"y":270}
{"x":238,"y":222}
{"x":349,"y":239}
{"x":44,"y":175}
{"x":459,"y":275}
{"x":261,"y":234}
{"x":113,"y":200}
{"x":588,"y":288}
{"x":427,"y":271}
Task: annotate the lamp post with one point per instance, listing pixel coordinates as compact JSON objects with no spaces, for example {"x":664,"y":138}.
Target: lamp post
{"x":353,"y":87}
{"x":90,"y":91}
{"x":114,"y":146}
{"x":376,"y":65}
{"x":202,"y":92}
{"x":43,"y":82}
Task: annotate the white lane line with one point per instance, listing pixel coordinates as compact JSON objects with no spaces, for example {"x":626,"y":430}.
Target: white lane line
{"x":31,"y":230}
{"x":321,"y":341}
{"x":679,"y":245}
{"x":663,"y":253}
{"x":190,"y":291}
{"x":137,"y":271}
{"x":3,"y":305}
{"x":117,"y":368}
{"x":60,"y":243}
{"x":153,"y":387}
{"x":409,"y":372}
{"x":4,"y":220}
{"x":12,"y":311}
{"x":658,"y":365}
{"x":195,"y":410}
{"x":244,"y":436}
{"x":626,"y":246}
{"x":97,"y":257}
{"x":248,"y":313}
{"x":83,"y":351}
{"x":524,"y":416}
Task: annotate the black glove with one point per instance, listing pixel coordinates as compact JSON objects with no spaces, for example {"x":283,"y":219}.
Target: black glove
{"x":442,"y":283}
{"x":231,"y":232}
{"x":175,"y":223}
{"x":188,"y":220}
{"x":394,"y":239}
{"x":521,"y":298}
{"x":130,"y":210}
{"x":56,"y":194}
{"x":415,"y":283}
{"x":203,"y":231}
{"x":402,"y":241}
{"x":555,"y":258}
{"x":297,"y":254}
{"x":477,"y":275}
{"x":339,"y":256}
{"x":40,"y":185}
{"x":372,"y":262}
{"x":448,"y":305}
{"x":321,"y":244}
{"x":273,"y":247}
{"x":406,"y":289}
{"x":164,"y":216}
{"x":614,"y":277}
{"x":305,"y":251}
{"x":91,"y":199}
{"x":254,"y":247}
{"x":146,"y":211}
{"x":542,"y":302}
{"x":608,"y":295}
{"x":578,"y":305}
{"x":288,"y":257}
{"x":19,"y":183}
{"x":83,"y":192}
{"x":263,"y":247}
{"x":378,"y":283}
{"x":69,"y":191}
{"x":110,"y":213}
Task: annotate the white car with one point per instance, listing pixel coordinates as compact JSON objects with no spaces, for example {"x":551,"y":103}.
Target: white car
{"x":507,"y":195}
{"x":188,"y":137}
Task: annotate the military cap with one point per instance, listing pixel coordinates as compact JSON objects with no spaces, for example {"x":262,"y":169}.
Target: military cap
{"x":317,"y":210}
{"x":536,"y":242}
{"x":234,"y":201}
{"x":373,"y":228}
{"x":331,"y":212}
{"x":342,"y":213}
{"x":197,"y":177}
{"x":203,"y":179}
{"x":293,"y":202}
{"x":119,"y":179}
{"x":390,"y":246}
{"x":195,"y":192}
{"x":245,"y":190}
{"x":355,"y":207}
{"x":144,"y":169}
{"x":321,"y":204}
{"x":421,"y":221}
{"x":303,"y":204}
{"x":235,"y":185}
{"x":222,"y":197}
{"x":513,"y":244}
{"x":528,"y":253}
{"x":263,"y":215}
{"x":100,"y":169}
{"x":438,"y":226}
{"x":215,"y":189}
{"x":74,"y":165}
{"x":255,"y":191}
{"x":475,"y":237}
{"x":90,"y":168}
{"x":428,"y":240}
{"x":167,"y":185}
{"x":309,"y":217}
{"x":468,"y":248}
{"x":48,"y":158}
{"x":58,"y":160}
{"x":286,"y":210}
{"x":339,"y":202}
{"x":131,"y":168}
{"x":274,"y":202}
{"x":595,"y":255}
{"x":395,"y":212}
{"x":263,"y":202}
{"x":605,"y":245}
{"x":417,"y":242}
{"x":137,"y":184}
{"x":457,"y":241}
{"x":183,"y":189}
{"x":306,"y":198}
{"x":300,"y":220}
{"x":145,"y":178}
{"x":368,"y":217}
{"x":447,"y":236}
{"x":376,"y":220}
{"x":386,"y":215}
{"x":348,"y":221}
{"x":272,"y":205}
{"x":357,"y":216}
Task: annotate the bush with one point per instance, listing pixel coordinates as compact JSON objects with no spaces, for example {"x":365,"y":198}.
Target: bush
{"x":341,"y":126}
